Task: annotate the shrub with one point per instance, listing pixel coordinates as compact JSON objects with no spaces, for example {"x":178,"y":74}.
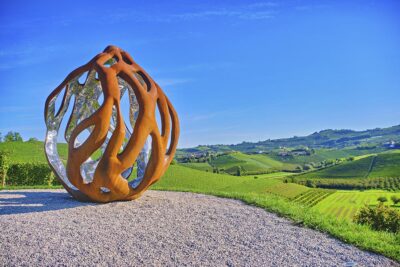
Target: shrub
{"x":307,"y":167}
{"x":381,"y":218}
{"x":382,"y":199}
{"x":395,"y":199}
{"x":310,"y":183}
{"x":30,"y":174}
{"x":298,"y":169}
{"x":239,"y":171}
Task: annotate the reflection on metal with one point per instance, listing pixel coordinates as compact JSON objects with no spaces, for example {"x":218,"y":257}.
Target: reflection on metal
{"x":103,"y":152}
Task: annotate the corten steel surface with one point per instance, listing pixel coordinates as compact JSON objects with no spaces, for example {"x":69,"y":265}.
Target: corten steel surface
{"x":110,"y":75}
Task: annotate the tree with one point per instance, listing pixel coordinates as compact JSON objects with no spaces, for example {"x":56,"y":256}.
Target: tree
{"x":395,"y":199}
{"x":310,"y":183}
{"x":299,"y":169}
{"x":13,"y":137}
{"x":307,"y":167}
{"x":34,"y":139}
{"x":17,"y":137}
{"x":1,"y":137}
{"x":381,"y":218}
{"x":239,"y":171}
{"x":382,"y":199}
{"x":4,"y":165}
{"x":9,"y":137}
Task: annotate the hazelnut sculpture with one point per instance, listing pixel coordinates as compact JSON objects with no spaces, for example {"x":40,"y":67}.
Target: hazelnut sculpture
{"x":110,"y":157}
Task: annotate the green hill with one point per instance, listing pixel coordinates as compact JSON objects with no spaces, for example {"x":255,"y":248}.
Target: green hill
{"x":322,"y":154}
{"x":181,"y":178}
{"x":368,"y":139}
{"x":30,"y":151}
{"x":375,"y":166}
{"x":201,"y":166}
{"x":386,"y":165}
{"x":249,"y":164}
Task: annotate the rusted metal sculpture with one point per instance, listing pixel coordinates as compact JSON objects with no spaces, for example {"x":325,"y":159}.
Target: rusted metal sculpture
{"x":102,"y":167}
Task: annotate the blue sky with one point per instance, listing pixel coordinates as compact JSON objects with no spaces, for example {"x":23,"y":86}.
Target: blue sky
{"x":234,"y":70}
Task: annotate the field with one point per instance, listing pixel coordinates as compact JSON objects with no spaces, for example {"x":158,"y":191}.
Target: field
{"x":249,"y":164}
{"x":21,"y":152}
{"x":288,"y":190}
{"x":201,"y":166}
{"x":313,"y":196}
{"x":344,"y":204}
{"x":386,"y":165}
{"x":375,"y":166}
{"x":354,"y":169}
{"x":326,"y":154}
{"x":184,"y":179}
{"x":380,"y":171}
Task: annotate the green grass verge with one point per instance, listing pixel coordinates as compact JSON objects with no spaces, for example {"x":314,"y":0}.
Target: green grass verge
{"x":15,"y":187}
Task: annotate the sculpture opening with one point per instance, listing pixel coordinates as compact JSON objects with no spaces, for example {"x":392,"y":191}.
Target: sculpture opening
{"x":116,"y":149}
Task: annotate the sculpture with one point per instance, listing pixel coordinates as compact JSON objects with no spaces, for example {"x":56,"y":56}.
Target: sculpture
{"x":100,"y":168}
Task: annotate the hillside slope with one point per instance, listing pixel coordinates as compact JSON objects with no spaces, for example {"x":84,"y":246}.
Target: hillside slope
{"x":249,"y":164}
{"x":375,"y":166}
{"x":329,"y":138}
{"x":30,"y":151}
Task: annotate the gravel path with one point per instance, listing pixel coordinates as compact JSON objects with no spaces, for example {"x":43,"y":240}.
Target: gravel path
{"x":47,"y":227}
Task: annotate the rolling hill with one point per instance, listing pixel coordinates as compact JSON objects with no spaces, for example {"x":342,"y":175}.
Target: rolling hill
{"x":329,"y":139}
{"x":247,"y":164}
{"x":33,"y":151}
{"x":375,"y":166}
{"x":322,"y":154}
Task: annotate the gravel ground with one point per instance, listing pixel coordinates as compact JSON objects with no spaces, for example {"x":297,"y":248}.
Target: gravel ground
{"x":47,"y":227}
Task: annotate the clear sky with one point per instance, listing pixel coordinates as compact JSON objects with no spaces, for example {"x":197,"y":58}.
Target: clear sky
{"x":234,"y":70}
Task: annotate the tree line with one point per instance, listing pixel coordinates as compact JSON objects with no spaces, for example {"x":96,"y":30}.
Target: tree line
{"x":12,"y":136}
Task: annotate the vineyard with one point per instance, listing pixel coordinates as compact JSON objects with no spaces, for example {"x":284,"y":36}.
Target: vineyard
{"x":311,"y":197}
{"x":236,"y":162}
{"x":345,"y":204}
{"x":288,"y":190}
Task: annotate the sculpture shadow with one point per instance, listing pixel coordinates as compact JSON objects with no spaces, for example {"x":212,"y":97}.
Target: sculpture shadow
{"x":17,"y":202}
